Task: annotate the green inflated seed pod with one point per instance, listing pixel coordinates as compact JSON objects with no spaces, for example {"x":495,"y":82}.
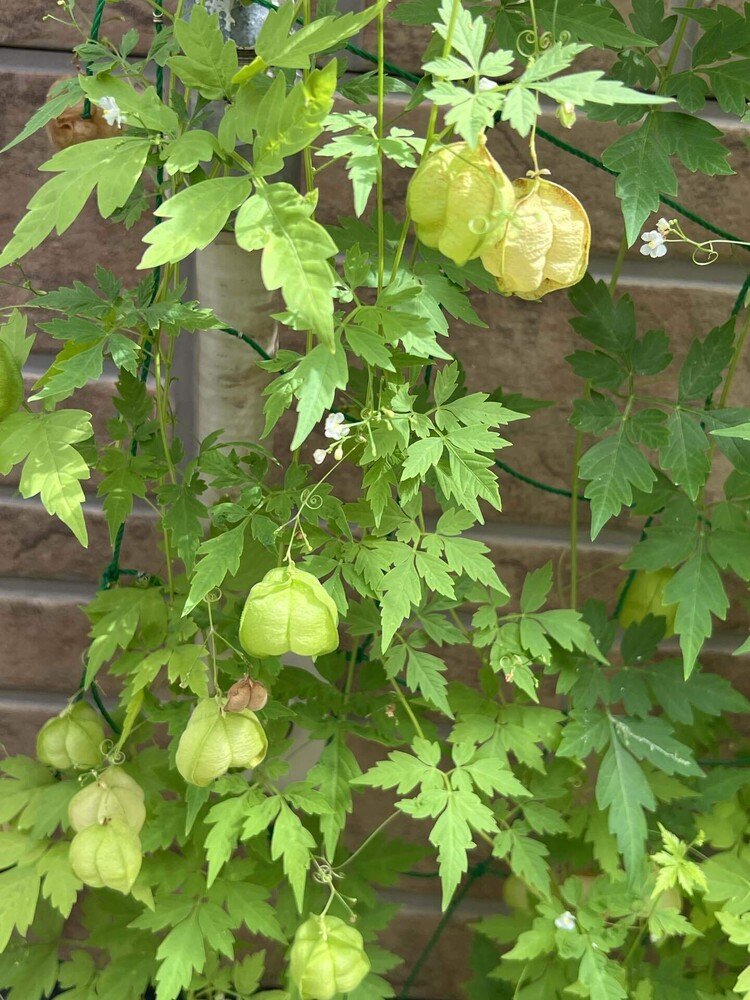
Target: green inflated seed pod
{"x":460,"y":201}
{"x":289,"y":611}
{"x":114,"y":795}
{"x":215,"y":741}
{"x":327,"y":958}
{"x":645,"y":597}
{"x":11,"y":383}
{"x":107,"y":855}
{"x":73,"y":739}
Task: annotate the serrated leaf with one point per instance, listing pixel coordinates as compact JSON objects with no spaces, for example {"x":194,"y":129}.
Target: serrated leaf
{"x":698,"y":592}
{"x":641,"y":159}
{"x":194,"y":218}
{"x":613,"y":467}
{"x":53,"y":468}
{"x":321,"y":373}
{"x":209,"y":62}
{"x":292,"y":843}
{"x":114,"y":172}
{"x":219,"y":556}
{"x":622,"y":789}
{"x":296,"y":251}
{"x":684,"y":453}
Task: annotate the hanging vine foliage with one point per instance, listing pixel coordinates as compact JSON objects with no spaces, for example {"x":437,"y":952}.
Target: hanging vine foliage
{"x":574,"y":756}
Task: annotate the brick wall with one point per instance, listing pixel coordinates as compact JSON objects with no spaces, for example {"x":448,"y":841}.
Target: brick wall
{"x":45,"y":575}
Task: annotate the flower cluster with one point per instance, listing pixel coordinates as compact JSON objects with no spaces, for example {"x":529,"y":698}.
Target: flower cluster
{"x":336,"y":429}
{"x":654,"y":242}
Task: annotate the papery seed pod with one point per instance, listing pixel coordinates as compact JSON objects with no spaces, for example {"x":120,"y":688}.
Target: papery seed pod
{"x":327,"y":958}
{"x":460,"y":201}
{"x":289,"y":611}
{"x":238,"y":696}
{"x":72,"y":739}
{"x":215,"y":740}
{"x":546,"y":245}
{"x":112,"y":796}
{"x":69,"y":128}
{"x":246,"y":693}
{"x":107,"y":855}
{"x":11,"y":383}
{"x":645,"y":597}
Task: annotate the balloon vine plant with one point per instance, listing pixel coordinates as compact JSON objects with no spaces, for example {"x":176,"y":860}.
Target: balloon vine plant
{"x":161,"y":845}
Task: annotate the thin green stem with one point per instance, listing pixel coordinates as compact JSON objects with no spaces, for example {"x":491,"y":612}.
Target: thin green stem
{"x":737,"y":353}
{"x":407,"y":708}
{"x":574,"y":520}
{"x":617,"y":267}
{"x":212,"y":646}
{"x":678,"y":40}
{"x":378,"y":829}
{"x":380,"y":127}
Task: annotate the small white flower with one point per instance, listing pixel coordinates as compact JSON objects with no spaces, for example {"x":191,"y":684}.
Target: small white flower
{"x":319,"y":456}
{"x":566,"y":921}
{"x":486,"y":84}
{"x":653,"y":244}
{"x":664,"y":227}
{"x":112,"y":113}
{"x":336,"y":428}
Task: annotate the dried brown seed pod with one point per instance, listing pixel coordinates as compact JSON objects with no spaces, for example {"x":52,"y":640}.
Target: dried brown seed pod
{"x":69,"y":128}
{"x":238,"y":696}
{"x":246,"y":693}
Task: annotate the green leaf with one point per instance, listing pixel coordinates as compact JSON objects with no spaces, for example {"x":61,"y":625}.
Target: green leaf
{"x":453,"y":837}
{"x":641,"y":159}
{"x":195,"y":216}
{"x":579,"y":88}
{"x":702,"y":369}
{"x":116,"y":615}
{"x":64,"y":98}
{"x":730,"y":83}
{"x":296,"y":250}
{"x":321,"y":373}
{"x":613,"y":467}
{"x":651,"y":739}
{"x":220,"y":556}
{"x":600,"y":975}
{"x":697,"y":143}
{"x":621,"y":787}
{"x":684,"y":454}
{"x":113,"y":171}
{"x":13,"y":335}
{"x":19,"y":892}
{"x":536,"y":587}
{"x":598,"y":24}
{"x":277,"y":47}
{"x":334,"y":773}
{"x":59,"y":885}
{"x":401,"y":589}
{"x":53,"y":468}
{"x":292,"y":843}
{"x":425,"y":673}
{"x":698,"y":592}
{"x":189,"y":149}
{"x":209,"y":62}
{"x":180,"y":953}
{"x":141,"y":107}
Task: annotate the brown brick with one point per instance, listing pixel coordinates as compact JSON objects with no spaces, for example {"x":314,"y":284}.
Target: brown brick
{"x":23,"y":24}
{"x":20,"y":720}
{"x":44,"y":635}
{"x":35,"y":545}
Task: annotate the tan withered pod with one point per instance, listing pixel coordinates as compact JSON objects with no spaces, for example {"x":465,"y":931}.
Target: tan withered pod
{"x":69,"y":128}
{"x":246,"y":693}
{"x":546,"y":245}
